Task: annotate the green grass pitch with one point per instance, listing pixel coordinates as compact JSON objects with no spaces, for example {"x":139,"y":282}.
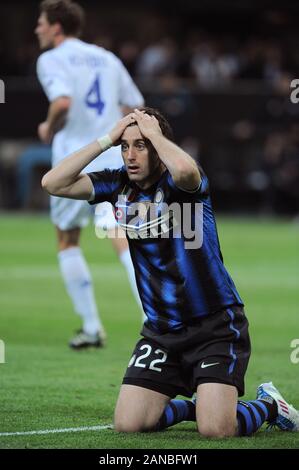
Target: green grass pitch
{"x":44,"y":385}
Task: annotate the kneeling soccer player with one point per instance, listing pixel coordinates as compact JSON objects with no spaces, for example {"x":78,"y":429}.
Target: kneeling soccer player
{"x":195,"y":338}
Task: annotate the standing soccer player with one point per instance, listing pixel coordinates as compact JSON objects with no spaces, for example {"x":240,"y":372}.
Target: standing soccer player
{"x":195,"y":338}
{"x":86,"y":86}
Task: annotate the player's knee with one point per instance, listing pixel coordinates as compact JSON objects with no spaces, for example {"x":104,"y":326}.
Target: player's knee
{"x":68,"y":238}
{"x":122,"y":426}
{"x":218,"y":429}
{"x":130,"y":425}
{"x":64,"y":243}
{"x":124,"y":422}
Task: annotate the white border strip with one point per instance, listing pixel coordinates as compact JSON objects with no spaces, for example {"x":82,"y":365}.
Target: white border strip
{"x":54,"y":431}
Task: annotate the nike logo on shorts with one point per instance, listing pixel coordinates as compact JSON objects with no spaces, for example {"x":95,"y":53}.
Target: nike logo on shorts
{"x":203,"y":365}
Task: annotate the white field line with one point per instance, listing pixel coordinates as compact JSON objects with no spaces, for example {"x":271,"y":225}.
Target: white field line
{"x":56,"y":431}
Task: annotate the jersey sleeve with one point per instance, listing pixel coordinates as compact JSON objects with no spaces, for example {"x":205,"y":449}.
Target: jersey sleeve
{"x":199,"y":193}
{"x":105,"y":184}
{"x":129,"y":95}
{"x":53,"y":77}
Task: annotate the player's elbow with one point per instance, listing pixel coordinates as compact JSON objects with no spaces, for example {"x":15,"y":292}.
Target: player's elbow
{"x":188,"y":177}
{"x":46,"y":183}
{"x":49,"y":184}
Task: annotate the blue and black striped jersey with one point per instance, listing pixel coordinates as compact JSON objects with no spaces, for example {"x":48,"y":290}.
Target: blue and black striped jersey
{"x":174,"y":247}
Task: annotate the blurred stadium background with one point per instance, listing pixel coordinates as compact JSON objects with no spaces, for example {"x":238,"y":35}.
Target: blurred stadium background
{"x":221,"y":72}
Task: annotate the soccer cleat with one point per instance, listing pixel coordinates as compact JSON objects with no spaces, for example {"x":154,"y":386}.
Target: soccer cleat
{"x":83,"y":340}
{"x":287,"y":418}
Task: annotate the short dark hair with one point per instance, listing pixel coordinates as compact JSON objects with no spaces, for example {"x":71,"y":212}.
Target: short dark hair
{"x":163,"y":123}
{"x":68,"y":14}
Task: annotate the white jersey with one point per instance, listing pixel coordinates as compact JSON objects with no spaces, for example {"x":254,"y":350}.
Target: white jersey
{"x":98,"y":84}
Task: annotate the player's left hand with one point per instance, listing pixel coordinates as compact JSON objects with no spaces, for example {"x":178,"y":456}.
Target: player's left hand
{"x":44,"y":133}
{"x":148,"y":125}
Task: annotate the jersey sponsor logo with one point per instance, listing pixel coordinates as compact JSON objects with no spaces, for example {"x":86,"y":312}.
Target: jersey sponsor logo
{"x":159,"y":227}
{"x":143,"y":219}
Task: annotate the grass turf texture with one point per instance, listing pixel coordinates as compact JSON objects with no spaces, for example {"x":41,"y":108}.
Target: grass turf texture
{"x":45,"y":385}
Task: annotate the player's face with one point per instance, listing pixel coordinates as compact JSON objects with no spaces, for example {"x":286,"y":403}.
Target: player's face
{"x":45,"y":32}
{"x":142,"y":165}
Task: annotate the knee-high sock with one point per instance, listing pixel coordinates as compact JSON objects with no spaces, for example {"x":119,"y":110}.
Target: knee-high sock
{"x":126,"y":260}
{"x":175,"y":412}
{"x":78,"y":282}
{"x":252,"y":414}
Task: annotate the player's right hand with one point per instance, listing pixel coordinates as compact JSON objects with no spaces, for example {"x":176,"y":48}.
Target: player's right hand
{"x":116,"y":133}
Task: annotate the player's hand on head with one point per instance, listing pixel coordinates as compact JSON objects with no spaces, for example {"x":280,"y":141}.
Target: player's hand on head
{"x":118,"y":130}
{"x":148,"y":125}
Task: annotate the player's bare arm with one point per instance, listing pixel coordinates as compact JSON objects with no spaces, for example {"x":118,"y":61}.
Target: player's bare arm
{"x":57,"y":113}
{"x":66,"y":180}
{"x":181,"y":166}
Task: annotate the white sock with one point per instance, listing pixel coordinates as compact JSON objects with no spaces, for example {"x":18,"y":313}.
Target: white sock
{"x":78,"y":282}
{"x":126,"y":260}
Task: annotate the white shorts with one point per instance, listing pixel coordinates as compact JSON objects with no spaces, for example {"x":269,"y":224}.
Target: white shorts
{"x":67,"y":214}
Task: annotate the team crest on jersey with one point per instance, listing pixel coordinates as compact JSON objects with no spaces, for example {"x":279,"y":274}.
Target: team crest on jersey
{"x":159,"y":196}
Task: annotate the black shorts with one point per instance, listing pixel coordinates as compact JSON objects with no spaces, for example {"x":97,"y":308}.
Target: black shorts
{"x":214,"y":349}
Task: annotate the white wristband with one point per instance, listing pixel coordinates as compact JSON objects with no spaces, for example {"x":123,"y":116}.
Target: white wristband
{"x":105,"y":142}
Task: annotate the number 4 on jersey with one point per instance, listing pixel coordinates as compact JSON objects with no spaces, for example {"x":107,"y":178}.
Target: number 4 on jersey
{"x":93,"y":97}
